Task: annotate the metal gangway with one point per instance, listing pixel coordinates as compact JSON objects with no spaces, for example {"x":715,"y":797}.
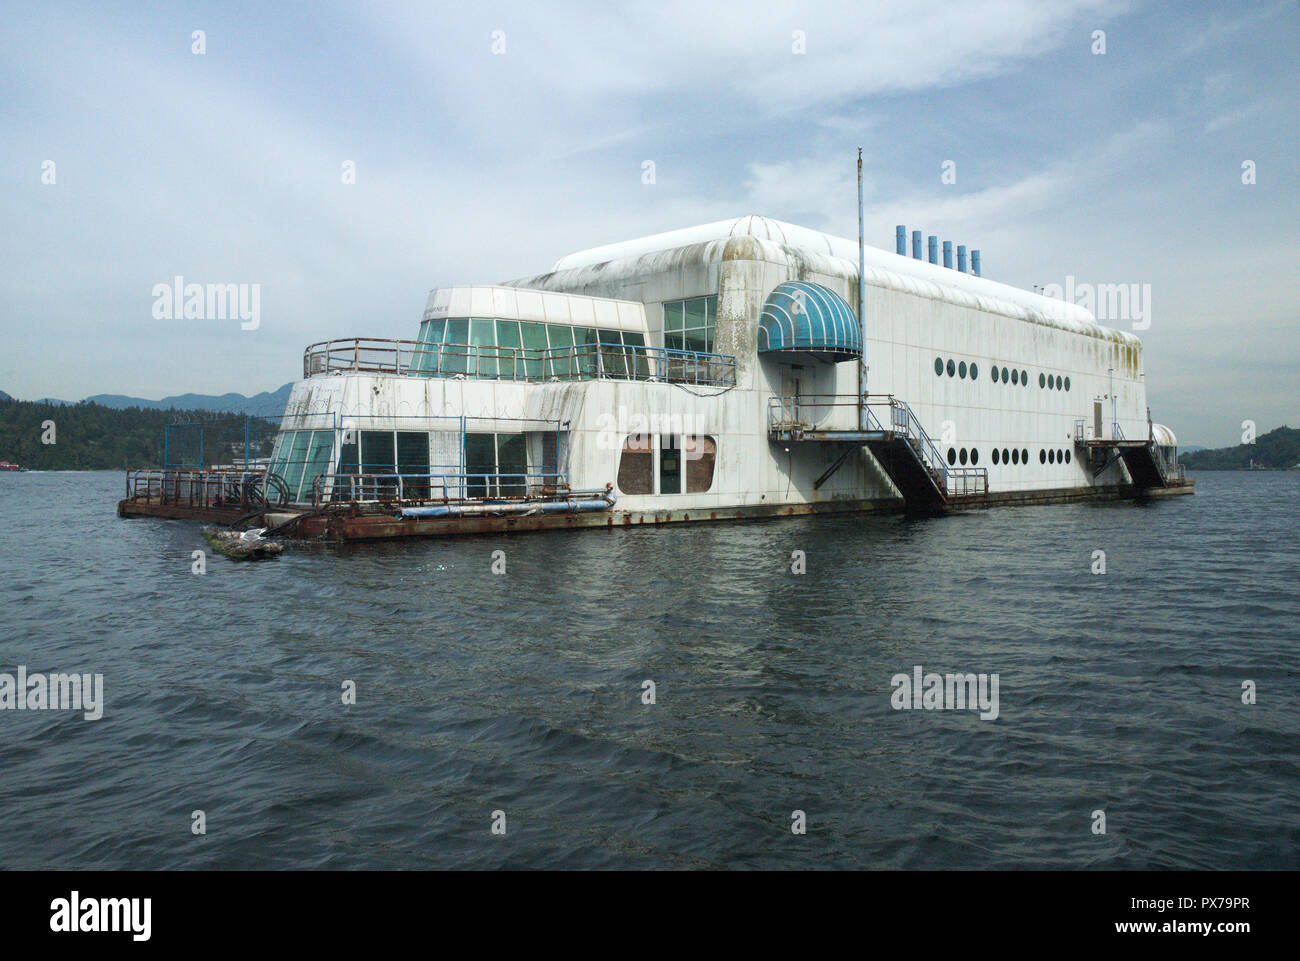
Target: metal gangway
{"x":1146,"y":463}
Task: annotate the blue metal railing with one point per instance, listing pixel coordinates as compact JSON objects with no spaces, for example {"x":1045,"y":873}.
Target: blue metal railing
{"x":487,"y":362}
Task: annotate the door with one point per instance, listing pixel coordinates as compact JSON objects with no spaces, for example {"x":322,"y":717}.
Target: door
{"x":791,"y":388}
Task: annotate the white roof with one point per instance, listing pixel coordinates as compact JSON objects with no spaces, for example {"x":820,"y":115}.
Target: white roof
{"x":1163,"y":436}
{"x":544,"y":306}
{"x":883,"y":269}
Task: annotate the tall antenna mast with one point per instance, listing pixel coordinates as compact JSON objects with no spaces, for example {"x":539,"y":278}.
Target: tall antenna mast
{"x":862,"y":310}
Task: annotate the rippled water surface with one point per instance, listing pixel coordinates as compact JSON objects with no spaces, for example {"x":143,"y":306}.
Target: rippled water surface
{"x":521,"y":692}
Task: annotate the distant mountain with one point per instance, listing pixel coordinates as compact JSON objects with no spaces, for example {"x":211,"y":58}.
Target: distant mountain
{"x":4,"y":396}
{"x":1277,"y":449}
{"x":265,"y":404}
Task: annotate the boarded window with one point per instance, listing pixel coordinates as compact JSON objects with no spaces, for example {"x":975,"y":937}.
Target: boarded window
{"x":700,"y":454}
{"x":636,"y":465}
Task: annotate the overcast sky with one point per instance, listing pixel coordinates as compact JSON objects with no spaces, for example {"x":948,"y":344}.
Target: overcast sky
{"x":479,"y":166}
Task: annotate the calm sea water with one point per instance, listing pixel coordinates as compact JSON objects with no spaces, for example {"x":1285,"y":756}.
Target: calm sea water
{"x":521,"y":692}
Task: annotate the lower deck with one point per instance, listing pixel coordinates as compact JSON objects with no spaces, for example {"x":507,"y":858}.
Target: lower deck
{"x":377,"y":522}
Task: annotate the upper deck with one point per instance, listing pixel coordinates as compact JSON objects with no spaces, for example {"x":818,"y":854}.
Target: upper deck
{"x":596,"y":361}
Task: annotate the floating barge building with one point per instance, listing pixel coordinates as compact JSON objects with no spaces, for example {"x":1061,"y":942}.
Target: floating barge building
{"x":709,"y":373}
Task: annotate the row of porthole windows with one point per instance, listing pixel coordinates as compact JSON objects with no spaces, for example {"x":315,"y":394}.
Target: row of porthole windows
{"x":956,"y":369}
{"x":1005,"y":456}
{"x":1016,"y":377}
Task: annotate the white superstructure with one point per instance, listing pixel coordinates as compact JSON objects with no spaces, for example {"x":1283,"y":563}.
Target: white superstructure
{"x":712,"y":371}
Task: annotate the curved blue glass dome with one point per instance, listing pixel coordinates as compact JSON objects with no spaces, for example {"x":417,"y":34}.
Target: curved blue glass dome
{"x":800,"y":316}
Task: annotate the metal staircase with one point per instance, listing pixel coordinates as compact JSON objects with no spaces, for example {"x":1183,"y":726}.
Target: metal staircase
{"x":1147,"y":466}
{"x":902,"y":448}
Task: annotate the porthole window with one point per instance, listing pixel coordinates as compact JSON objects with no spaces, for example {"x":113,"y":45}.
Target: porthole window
{"x":962,"y":456}
{"x":1024,"y":455}
{"x":1067,"y":383}
{"x":1067,"y":457}
{"x":1059,"y":382}
{"x":1024,"y":377}
{"x":1051,"y":457}
{"x":952,"y":368}
{"x":974,"y":455}
{"x":1060,"y":456}
{"x":995,"y":455}
{"x":1005,"y":376}
{"x":1042,"y":381}
{"x":1005,"y":458}
{"x":961,"y":370}
{"x":974,"y":371}
{"x":938,"y":366}
{"x":1042,"y":457}
{"x":997,"y":374}
{"x":1015,"y":457}
{"x":952,"y":455}
{"x":1015,"y":377}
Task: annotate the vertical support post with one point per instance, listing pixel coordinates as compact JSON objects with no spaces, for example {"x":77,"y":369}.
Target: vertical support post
{"x":862,"y":310}
{"x":246,"y":422}
{"x":167,"y":436}
{"x":1114,"y":415}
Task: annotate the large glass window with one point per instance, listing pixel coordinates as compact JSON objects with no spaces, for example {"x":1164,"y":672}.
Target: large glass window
{"x":512,"y":459}
{"x":377,"y":452}
{"x":453,"y":359}
{"x":561,"y":364}
{"x":512,"y":350}
{"x":431,"y":332}
{"x":689,"y":324}
{"x":413,"y":458}
{"x":487,"y":456}
{"x":534,"y":341}
{"x":483,"y":337}
{"x":510,"y":363}
{"x":298,"y":457}
{"x":637,"y":358}
{"x":295,"y":461}
{"x":319,"y":453}
{"x":612,"y":357}
{"x":480,"y":461}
